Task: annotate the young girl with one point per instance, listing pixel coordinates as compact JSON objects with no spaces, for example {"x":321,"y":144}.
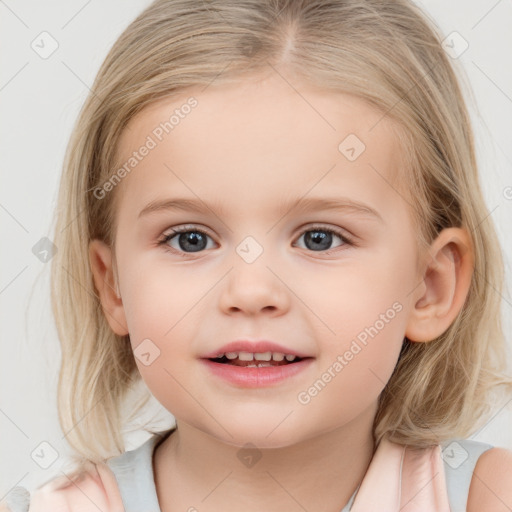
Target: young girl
{"x":270,"y":212}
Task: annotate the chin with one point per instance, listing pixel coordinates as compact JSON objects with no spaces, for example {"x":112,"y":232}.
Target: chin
{"x":263,"y":435}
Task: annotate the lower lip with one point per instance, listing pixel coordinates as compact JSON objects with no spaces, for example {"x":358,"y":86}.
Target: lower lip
{"x":256,"y":377}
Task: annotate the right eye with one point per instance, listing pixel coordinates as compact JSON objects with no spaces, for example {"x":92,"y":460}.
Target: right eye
{"x":188,"y":240}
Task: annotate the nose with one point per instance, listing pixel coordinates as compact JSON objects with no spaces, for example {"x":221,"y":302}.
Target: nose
{"x":252,"y":288}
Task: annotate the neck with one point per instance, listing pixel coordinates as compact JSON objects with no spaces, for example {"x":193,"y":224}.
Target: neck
{"x":194,"y":469}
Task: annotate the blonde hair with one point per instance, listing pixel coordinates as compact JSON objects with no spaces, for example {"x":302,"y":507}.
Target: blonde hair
{"x":384,"y":52}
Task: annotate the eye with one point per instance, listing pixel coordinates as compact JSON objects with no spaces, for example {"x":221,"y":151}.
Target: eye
{"x":188,"y":240}
{"x":319,"y":238}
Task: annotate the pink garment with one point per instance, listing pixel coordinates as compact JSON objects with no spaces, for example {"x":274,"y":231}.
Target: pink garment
{"x":94,"y":489}
{"x":398,"y":479}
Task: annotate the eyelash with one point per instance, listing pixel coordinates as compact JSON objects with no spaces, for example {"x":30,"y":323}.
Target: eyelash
{"x":185,"y":229}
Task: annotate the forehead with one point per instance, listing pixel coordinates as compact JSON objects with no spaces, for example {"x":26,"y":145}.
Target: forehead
{"x":255,"y":141}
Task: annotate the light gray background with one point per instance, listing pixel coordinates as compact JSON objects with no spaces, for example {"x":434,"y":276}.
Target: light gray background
{"x":40,"y":99}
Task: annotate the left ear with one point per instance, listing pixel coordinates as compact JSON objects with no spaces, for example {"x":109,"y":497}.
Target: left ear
{"x":444,"y":287}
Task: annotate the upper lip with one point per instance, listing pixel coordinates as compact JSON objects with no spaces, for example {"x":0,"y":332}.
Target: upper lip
{"x":254,"y":347}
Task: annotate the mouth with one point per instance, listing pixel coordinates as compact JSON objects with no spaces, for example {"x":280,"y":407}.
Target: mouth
{"x":256,"y":360}
{"x":256,"y":370}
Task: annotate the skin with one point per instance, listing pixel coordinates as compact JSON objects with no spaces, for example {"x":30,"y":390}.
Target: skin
{"x":251,"y":148}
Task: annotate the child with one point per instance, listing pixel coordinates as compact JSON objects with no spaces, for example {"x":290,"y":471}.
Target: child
{"x":342,"y":377}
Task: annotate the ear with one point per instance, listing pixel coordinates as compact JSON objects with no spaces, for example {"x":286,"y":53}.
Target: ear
{"x":100,"y":257}
{"x":444,"y":286}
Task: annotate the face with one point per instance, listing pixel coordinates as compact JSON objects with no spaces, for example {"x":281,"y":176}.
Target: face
{"x":332,"y":284}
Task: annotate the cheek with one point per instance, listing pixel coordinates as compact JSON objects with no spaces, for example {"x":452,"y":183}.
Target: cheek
{"x":353,"y":370}
{"x":162,"y":305}
{"x":160,"y":338}
{"x":363,"y":313}
{"x":156,"y":297}
{"x":346,"y":299}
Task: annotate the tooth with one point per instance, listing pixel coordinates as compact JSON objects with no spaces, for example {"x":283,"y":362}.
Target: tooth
{"x":245,"y":356}
{"x":263,"y":356}
{"x":290,"y":357}
{"x":251,"y":366}
{"x":277,"y":356}
{"x":231,"y":355}
{"x":220,"y":356}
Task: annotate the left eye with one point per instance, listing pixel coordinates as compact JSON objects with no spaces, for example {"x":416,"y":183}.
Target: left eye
{"x":320,"y":239}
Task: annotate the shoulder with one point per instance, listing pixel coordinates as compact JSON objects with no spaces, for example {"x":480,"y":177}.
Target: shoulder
{"x":491,"y":488}
{"x":94,"y":488}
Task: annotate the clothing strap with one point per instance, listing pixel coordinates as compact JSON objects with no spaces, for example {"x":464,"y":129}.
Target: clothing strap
{"x":460,"y":457}
{"x":399,"y":478}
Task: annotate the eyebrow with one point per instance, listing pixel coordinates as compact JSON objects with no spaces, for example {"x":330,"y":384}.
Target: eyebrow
{"x":299,"y":205}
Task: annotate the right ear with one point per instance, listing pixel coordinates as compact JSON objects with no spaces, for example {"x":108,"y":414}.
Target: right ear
{"x":100,"y":257}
